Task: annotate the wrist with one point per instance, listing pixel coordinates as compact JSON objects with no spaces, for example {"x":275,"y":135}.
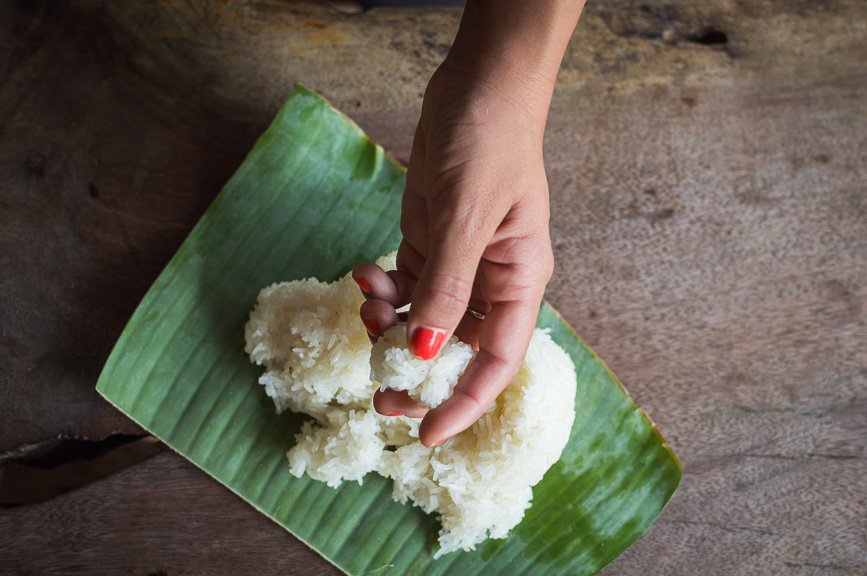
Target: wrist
{"x":488,"y":98}
{"x":515,"y":46}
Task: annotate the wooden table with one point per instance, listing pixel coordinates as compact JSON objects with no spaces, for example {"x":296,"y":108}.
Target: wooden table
{"x":708,"y":172}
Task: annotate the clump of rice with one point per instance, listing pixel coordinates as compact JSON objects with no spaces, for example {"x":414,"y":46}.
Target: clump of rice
{"x":479,"y":483}
{"x":315,"y":351}
{"x":347,"y":446}
{"x":428,"y":383}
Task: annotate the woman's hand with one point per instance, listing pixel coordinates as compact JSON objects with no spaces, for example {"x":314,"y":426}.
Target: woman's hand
{"x":475,"y":211}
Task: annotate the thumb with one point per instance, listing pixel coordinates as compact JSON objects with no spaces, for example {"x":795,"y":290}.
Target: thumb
{"x":445,"y":283}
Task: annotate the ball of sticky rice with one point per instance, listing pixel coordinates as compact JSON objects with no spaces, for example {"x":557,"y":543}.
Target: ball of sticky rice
{"x":428,"y":383}
{"x":479,"y":481}
{"x":318,"y":360}
{"x":314,"y":348}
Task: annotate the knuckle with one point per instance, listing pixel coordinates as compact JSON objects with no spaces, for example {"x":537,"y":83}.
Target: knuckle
{"x":471,"y":398}
{"x":444,"y":188}
{"x":541,"y":259}
{"x":448,"y":292}
{"x":500,"y":370}
{"x":505,"y":364}
{"x":546,"y":263}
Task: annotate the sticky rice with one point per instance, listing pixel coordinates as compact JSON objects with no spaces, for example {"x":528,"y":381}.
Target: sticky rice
{"x":318,"y":360}
{"x":426,"y":382}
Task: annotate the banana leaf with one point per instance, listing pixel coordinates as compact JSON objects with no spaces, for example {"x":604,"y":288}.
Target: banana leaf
{"x":315,"y":197}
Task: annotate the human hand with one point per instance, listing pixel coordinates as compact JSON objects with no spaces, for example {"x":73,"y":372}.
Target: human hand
{"x":475,"y":224}
{"x":475,"y":210}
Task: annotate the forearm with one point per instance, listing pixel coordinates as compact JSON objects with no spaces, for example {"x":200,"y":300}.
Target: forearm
{"x":515,"y":45}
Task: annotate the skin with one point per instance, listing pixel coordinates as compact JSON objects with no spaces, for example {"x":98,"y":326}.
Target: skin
{"x":475,"y":209}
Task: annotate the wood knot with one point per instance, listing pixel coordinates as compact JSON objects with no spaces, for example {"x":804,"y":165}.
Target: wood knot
{"x":35,"y":163}
{"x":709,"y":37}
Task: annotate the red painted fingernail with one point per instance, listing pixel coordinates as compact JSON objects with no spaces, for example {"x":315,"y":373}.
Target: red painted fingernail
{"x":426,"y":342}
{"x":371,"y":325}
{"x":362,"y":283}
{"x":395,"y":414}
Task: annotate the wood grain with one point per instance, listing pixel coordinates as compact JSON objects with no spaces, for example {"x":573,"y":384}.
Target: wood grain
{"x":164,"y":516}
{"x":708,"y":171}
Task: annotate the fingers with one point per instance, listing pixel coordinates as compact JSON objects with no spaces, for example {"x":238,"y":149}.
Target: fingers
{"x":393,"y":403}
{"x":375,"y":283}
{"x":394,"y":286}
{"x":503,"y":340}
{"x":377,"y":317}
{"x":480,"y":385}
{"x":445,"y":283}
{"x":468,"y":331}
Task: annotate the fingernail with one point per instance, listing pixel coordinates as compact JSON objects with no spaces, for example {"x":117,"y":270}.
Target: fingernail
{"x":426,"y":342}
{"x":362,"y":283}
{"x":395,"y":414}
{"x":371,"y":325}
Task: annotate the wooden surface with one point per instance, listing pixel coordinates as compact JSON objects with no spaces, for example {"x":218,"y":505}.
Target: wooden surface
{"x":708,"y":172}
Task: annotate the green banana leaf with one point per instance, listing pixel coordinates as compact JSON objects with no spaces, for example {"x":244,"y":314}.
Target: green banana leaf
{"x":315,"y":197}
